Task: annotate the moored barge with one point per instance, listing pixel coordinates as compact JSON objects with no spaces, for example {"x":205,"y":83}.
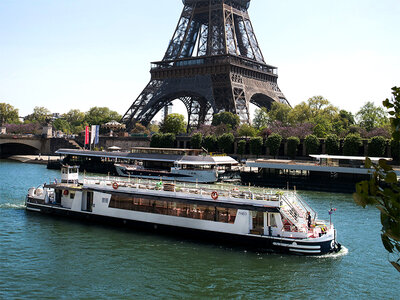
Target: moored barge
{"x":267,"y":221}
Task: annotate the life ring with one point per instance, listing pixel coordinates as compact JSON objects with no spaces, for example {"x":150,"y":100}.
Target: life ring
{"x":115,"y":185}
{"x":65,"y":192}
{"x":214,"y":195}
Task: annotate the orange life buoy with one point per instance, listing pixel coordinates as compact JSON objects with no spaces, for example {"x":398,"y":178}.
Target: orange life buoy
{"x":115,"y":185}
{"x":65,"y":192}
{"x":214,"y":195}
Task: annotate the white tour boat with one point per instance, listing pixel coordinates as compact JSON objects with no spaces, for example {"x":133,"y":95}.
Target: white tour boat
{"x":272,"y":221}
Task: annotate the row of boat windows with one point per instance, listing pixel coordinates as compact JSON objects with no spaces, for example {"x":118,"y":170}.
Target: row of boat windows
{"x":184,"y":210}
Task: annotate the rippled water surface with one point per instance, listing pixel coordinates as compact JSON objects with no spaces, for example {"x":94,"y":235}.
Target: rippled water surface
{"x":44,"y":257}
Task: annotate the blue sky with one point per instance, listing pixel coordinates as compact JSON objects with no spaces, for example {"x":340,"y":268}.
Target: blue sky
{"x":65,"y":54}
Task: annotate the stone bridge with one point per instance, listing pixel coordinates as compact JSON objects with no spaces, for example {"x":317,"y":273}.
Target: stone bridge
{"x":23,"y":144}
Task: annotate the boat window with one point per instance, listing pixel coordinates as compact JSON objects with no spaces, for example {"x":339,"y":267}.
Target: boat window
{"x":72,"y":195}
{"x":272,"y":221}
{"x":179,"y":209}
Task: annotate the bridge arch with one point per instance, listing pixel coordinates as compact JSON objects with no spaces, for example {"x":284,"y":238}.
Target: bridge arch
{"x":9,"y":149}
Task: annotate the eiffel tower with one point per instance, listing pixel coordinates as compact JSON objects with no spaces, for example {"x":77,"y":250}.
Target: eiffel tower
{"x":213,"y":63}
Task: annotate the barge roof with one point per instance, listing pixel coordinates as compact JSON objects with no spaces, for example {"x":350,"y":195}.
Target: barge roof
{"x":181,"y":159}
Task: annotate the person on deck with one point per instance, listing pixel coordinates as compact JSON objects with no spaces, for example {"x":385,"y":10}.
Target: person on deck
{"x":309,"y":220}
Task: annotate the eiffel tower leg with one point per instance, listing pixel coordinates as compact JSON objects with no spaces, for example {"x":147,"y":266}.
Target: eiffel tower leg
{"x":135,"y":112}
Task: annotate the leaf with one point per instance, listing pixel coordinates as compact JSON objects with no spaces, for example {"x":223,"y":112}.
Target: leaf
{"x":396,"y":265}
{"x":384,"y":165}
{"x":359,"y":200}
{"x":387,"y":243}
{"x":368,"y":163}
{"x":391,"y":178}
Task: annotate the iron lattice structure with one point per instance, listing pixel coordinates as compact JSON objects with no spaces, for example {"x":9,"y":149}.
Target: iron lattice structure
{"x":213,"y":63}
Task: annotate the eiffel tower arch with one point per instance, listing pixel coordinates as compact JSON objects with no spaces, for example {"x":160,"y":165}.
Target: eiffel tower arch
{"x":213,"y":63}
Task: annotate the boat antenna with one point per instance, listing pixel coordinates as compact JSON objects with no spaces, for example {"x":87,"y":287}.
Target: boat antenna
{"x":204,"y":149}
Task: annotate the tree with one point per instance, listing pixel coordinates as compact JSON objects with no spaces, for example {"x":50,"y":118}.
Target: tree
{"x":377,"y":146}
{"x":174,"y":123}
{"x":210,"y":143}
{"x":312,"y":144}
{"x":300,"y":114}
{"x":101,"y":115}
{"x":256,"y":144}
{"x":40,"y":115}
{"x":261,"y":118}
{"x":293,"y":143}
{"x":140,"y":129}
{"x":385,"y":198}
{"x":241,"y":147}
{"x":76,"y":120}
{"x":279,"y":112}
{"x":227,"y":118}
{"x":246,"y":130}
{"x":62,"y":125}
{"x":8,"y":114}
{"x":161,"y":140}
{"x":332,"y":144}
{"x":371,"y":116}
{"x":225,"y":142}
{"x":343,"y":121}
{"x":352,"y":144}
{"x":196,"y":140}
{"x":274,"y":143}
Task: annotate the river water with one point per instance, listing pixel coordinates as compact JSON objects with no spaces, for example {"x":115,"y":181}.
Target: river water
{"x":44,"y":257}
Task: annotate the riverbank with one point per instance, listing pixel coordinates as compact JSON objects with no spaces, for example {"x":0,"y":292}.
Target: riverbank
{"x":34,"y":159}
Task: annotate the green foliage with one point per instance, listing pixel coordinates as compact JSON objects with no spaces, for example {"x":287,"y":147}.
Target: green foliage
{"x":241,"y":147}
{"x":274,"y":143}
{"x":279,"y":112}
{"x":76,"y":120}
{"x":261,"y":118}
{"x":62,"y":125}
{"x":163,"y":140}
{"x":332,"y":144}
{"x":395,"y":149}
{"x":387,"y":200}
{"x":40,"y":115}
{"x":256,"y":144}
{"x":342,"y":122}
{"x":225,"y":142}
{"x":371,"y":116}
{"x":352,"y":144}
{"x":319,"y":131}
{"x":300,"y":114}
{"x":246,"y":130}
{"x":312,"y":144}
{"x":227,"y":118}
{"x":293,"y":143}
{"x":155,"y":141}
{"x":8,"y":114}
{"x":210,"y":143}
{"x":154,"y":128}
{"x":196,"y":140}
{"x":377,"y":146}
{"x":101,"y":115}
{"x":174,"y":123}
{"x":393,"y":105}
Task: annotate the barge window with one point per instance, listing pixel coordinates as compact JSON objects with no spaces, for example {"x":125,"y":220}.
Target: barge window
{"x":179,"y":209}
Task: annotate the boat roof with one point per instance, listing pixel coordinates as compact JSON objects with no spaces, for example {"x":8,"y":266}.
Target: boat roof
{"x":182,"y":159}
{"x":343,"y":157}
{"x":208,"y":160}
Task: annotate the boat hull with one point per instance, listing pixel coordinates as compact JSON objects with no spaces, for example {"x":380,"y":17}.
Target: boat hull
{"x":260,"y":243}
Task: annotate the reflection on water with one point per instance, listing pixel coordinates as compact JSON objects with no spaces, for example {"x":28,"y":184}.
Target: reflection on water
{"x":43,"y":256}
